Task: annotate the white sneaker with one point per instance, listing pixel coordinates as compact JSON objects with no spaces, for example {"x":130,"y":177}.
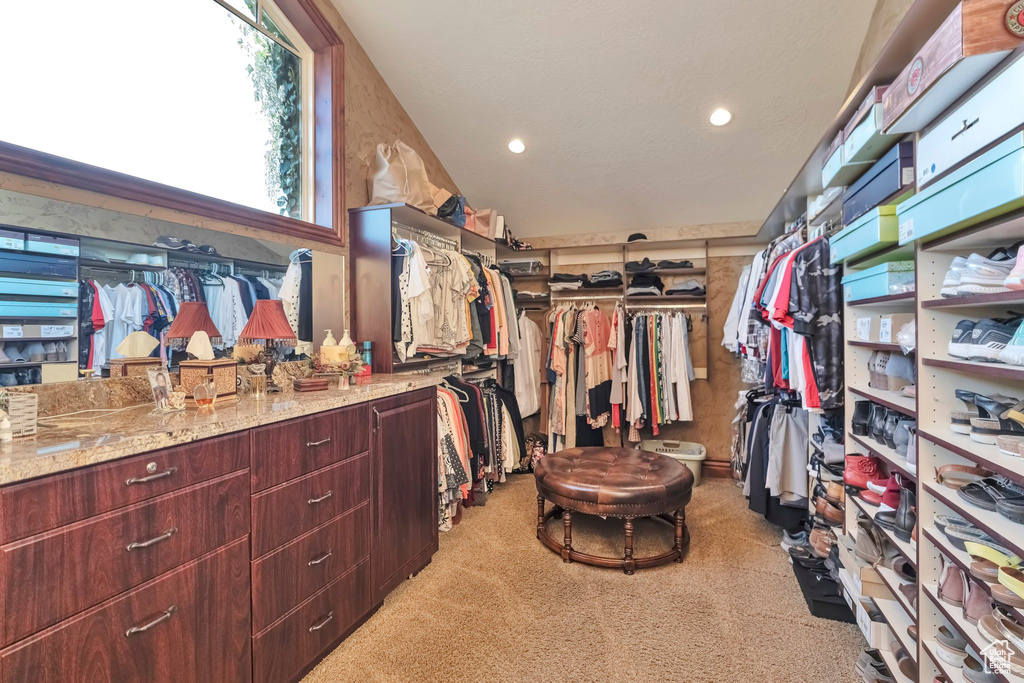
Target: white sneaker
{"x":985,"y":276}
{"x":953,"y":275}
{"x":1013,"y":352}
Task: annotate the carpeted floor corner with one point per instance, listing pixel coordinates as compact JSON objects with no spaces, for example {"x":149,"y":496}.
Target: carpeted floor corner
{"x":495,"y":605}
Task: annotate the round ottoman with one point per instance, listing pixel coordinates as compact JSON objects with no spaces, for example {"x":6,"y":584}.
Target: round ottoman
{"x":613,"y":482}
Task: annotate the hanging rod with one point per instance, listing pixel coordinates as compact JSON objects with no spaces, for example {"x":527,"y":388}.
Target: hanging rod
{"x":585,"y":297}
{"x":445,"y":242}
{"x":668,"y":307}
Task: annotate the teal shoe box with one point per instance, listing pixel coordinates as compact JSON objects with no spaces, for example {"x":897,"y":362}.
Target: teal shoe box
{"x":874,"y":231}
{"x":37,"y":309}
{"x":27,"y":287}
{"x":886,"y":279}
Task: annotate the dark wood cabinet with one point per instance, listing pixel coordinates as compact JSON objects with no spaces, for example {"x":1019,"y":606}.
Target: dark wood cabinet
{"x":191,"y":624}
{"x":404,"y":455}
{"x":55,"y":575}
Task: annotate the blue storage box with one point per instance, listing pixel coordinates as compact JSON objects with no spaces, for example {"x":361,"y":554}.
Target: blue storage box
{"x":37,"y":309}
{"x":872,"y":232}
{"x":46,"y":244}
{"x":895,"y":277}
{"x":984,"y":188}
{"x":866,"y":142}
{"x":37,"y":264}
{"x":890,"y":177}
{"x":12,"y":239}
{"x":28,"y":287}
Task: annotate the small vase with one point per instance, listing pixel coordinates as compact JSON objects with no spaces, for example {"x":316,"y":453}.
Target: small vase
{"x":344,"y":383}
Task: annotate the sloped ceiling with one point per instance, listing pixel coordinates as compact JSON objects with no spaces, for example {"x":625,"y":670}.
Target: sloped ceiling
{"x":612,"y":100}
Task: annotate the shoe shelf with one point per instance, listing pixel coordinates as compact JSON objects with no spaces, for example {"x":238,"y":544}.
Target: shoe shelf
{"x":904,"y":547}
{"x":893,"y":582}
{"x":890,"y":399}
{"x":984,"y":455}
{"x":888,"y":455}
{"x":877,"y":346}
{"x":976,"y":300}
{"x":899,"y":621}
{"x":952,"y":673}
{"x":889,"y":300}
{"x":970,"y":367}
{"x":963,"y":560}
{"x":969,"y":631}
{"x":1005,"y":532}
{"x":31,"y":364}
{"x":890,"y":661}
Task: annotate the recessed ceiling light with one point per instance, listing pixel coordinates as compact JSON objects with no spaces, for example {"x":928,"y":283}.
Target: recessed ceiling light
{"x":516,"y":146}
{"x":720,"y":117}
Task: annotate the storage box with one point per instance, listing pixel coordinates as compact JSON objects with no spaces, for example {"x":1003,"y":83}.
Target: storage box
{"x":985,"y":187}
{"x":133,"y":367}
{"x":986,"y":116}
{"x":196,"y":372}
{"x":872,"y":232}
{"x":38,"y":264}
{"x":37,"y":309}
{"x":47,"y":244}
{"x":31,"y":287}
{"x":692,"y":455}
{"x":968,"y":44}
{"x":36,"y":331}
{"x":889,"y":326}
{"x":895,"y":277}
{"x":877,"y":633}
{"x":866,"y":142}
{"x":888,"y":181}
{"x":12,"y":239}
{"x":871,"y":585}
{"x":865,"y":327}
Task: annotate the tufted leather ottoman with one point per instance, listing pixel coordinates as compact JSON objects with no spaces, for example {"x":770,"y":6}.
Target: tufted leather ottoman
{"x":613,"y":482}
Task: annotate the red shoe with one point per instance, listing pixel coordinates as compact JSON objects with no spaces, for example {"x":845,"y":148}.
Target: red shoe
{"x":893,"y":489}
{"x":869,"y":496}
{"x":860,"y":469}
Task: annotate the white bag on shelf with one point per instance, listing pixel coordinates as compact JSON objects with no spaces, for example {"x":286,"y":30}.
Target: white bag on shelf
{"x":397,"y":176}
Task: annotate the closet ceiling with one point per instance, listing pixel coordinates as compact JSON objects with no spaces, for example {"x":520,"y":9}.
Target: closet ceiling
{"x":612,"y":100}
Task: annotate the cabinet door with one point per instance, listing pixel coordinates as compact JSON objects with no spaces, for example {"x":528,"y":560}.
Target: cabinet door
{"x":404,"y":452}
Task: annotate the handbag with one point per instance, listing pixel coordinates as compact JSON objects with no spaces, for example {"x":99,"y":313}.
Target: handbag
{"x":397,"y":176}
{"x":450,"y":207}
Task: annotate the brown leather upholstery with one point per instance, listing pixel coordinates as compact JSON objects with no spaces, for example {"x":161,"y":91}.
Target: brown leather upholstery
{"x":614,"y":482}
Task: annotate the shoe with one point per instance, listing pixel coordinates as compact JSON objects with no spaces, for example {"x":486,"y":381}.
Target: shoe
{"x":984,"y":493}
{"x":989,"y":338}
{"x":8,"y":379}
{"x":1013,"y":352}
{"x":951,"y":650}
{"x":905,"y":663}
{"x":985,"y":571}
{"x":1012,"y":580}
{"x":1011,"y":508}
{"x":15,"y":353}
{"x":976,"y":672}
{"x":892,"y":420}
{"x":828,"y":513}
{"x":792,"y":540}
{"x":62,"y":351}
{"x":35,"y":352}
{"x":987,"y":549}
{"x":1010,"y":445}
{"x":869,"y":543}
{"x":903,"y":520}
{"x":986,"y":429}
{"x":876,"y":425}
{"x":861,"y":412}
{"x":960,"y":536}
{"x":880,"y":380}
{"x":903,"y":437}
{"x":1015,"y":280}
{"x":952,"y":279}
{"x":871,"y":667}
{"x":953,"y":585}
{"x":942,"y":521}
{"x":986,"y":275}
{"x":977,"y":604}
{"x":957,"y":476}
{"x":861,"y":469}
{"x":960,"y":343}
{"x":50,"y":350}
{"x":899,"y":372}
{"x":5,"y":359}
{"x":909,"y":591}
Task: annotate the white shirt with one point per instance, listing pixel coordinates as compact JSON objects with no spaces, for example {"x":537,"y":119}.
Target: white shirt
{"x":730,"y":331}
{"x":99,"y":338}
{"x":129,"y":312}
{"x":527,"y":366}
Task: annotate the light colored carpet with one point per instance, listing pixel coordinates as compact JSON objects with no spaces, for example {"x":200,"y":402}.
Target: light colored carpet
{"x":495,"y":605}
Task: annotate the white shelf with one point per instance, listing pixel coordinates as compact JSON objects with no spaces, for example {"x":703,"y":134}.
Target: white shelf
{"x":883,"y":452}
{"x":891,"y":399}
{"x":899,"y":622}
{"x":982,"y":454}
{"x":890,"y":661}
{"x":1005,"y":532}
{"x":953,"y":674}
{"x":893,"y":582}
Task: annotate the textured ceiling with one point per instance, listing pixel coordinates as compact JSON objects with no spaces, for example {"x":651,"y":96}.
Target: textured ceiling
{"x":612,"y":100}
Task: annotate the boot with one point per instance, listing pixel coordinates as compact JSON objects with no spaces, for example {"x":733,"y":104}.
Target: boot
{"x":892,"y":420}
{"x":861,"y":414}
{"x":860,"y":469}
{"x":876,"y":424}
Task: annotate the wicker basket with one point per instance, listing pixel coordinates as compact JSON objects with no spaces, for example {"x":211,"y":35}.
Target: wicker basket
{"x":22,"y":409}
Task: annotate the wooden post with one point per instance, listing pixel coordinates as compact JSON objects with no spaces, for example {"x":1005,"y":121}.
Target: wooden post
{"x":567,"y":525}
{"x":627,"y":564}
{"x":680,"y":526}
{"x":540,"y":515}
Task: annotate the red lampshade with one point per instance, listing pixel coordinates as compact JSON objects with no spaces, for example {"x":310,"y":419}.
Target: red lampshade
{"x":268,"y":325}
{"x":192,"y":317}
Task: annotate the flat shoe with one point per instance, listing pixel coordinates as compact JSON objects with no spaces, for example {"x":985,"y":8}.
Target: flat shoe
{"x":942,"y":520}
{"x":1012,"y":509}
{"x":985,"y":570}
{"x":993,"y":552}
{"x":1012,"y":578}
{"x":956,"y":476}
{"x":1005,"y":596}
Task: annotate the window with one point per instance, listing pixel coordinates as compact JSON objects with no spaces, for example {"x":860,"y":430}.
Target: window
{"x":210,"y":96}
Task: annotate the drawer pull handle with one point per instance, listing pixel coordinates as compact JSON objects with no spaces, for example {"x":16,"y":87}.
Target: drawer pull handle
{"x":145,"y":627}
{"x":319,"y":560}
{"x":153,"y":477}
{"x":321,"y":442}
{"x":966,"y":127}
{"x":327,"y":620}
{"x":376,"y":421}
{"x":314,"y":501}
{"x":153,"y":541}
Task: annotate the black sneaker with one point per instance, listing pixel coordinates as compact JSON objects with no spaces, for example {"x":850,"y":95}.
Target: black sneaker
{"x":989,"y":338}
{"x":960,"y":344}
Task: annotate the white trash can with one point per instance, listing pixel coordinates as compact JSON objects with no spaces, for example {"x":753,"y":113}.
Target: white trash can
{"x":689,"y":454}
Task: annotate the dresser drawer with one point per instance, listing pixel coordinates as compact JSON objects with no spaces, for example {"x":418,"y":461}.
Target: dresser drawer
{"x":290,"y":449}
{"x":55,"y":575}
{"x":290,"y":510}
{"x":286,"y":649}
{"x":293,"y":572}
{"x":198,"y":630}
{"x":51,"y":502}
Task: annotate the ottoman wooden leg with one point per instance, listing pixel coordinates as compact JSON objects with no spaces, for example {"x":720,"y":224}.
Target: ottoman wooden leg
{"x":567,"y":525}
{"x":680,"y":527}
{"x":627,"y":563}
{"x":540,"y":515}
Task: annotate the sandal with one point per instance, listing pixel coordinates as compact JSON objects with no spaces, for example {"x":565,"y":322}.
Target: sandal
{"x":957,"y":476}
{"x":942,"y":521}
{"x":993,"y":552}
{"x":959,"y":535}
{"x":960,"y":421}
{"x":987,"y":430}
{"x":987,"y":492}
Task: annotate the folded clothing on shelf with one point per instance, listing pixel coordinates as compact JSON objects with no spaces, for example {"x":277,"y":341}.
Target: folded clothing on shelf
{"x":645,"y":266}
{"x":604,"y":278}
{"x":690,"y":287}
{"x":667,"y":264}
{"x":564,"y":281}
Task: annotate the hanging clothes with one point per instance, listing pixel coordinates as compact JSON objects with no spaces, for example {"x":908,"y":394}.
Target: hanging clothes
{"x":527,"y":366}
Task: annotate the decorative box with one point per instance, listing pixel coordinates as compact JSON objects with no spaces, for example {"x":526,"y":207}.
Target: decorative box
{"x":984,"y":188}
{"x":968,"y":44}
{"x":895,"y":277}
{"x":11,"y":239}
{"x":195,"y":372}
{"x":987,"y":115}
{"x":133,"y":367}
{"x":47,"y":244}
{"x":891,"y":177}
{"x":872,"y":232}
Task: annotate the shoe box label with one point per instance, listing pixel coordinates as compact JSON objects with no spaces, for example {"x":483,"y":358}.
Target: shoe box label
{"x":13,"y":332}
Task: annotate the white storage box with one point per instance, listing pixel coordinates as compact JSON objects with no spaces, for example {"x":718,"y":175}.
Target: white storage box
{"x":689,"y":454}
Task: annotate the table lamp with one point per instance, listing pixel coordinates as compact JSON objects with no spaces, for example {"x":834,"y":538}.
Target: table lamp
{"x":193,"y":317}
{"x":268,"y":328}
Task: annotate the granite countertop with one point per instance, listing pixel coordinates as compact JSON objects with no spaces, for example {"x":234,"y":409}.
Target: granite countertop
{"x":66,"y":443}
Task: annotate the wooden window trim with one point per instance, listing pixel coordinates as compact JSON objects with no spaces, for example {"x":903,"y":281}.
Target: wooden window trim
{"x":328,"y":224}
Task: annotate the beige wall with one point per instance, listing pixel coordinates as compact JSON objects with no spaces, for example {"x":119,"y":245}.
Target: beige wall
{"x":886,"y":17}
